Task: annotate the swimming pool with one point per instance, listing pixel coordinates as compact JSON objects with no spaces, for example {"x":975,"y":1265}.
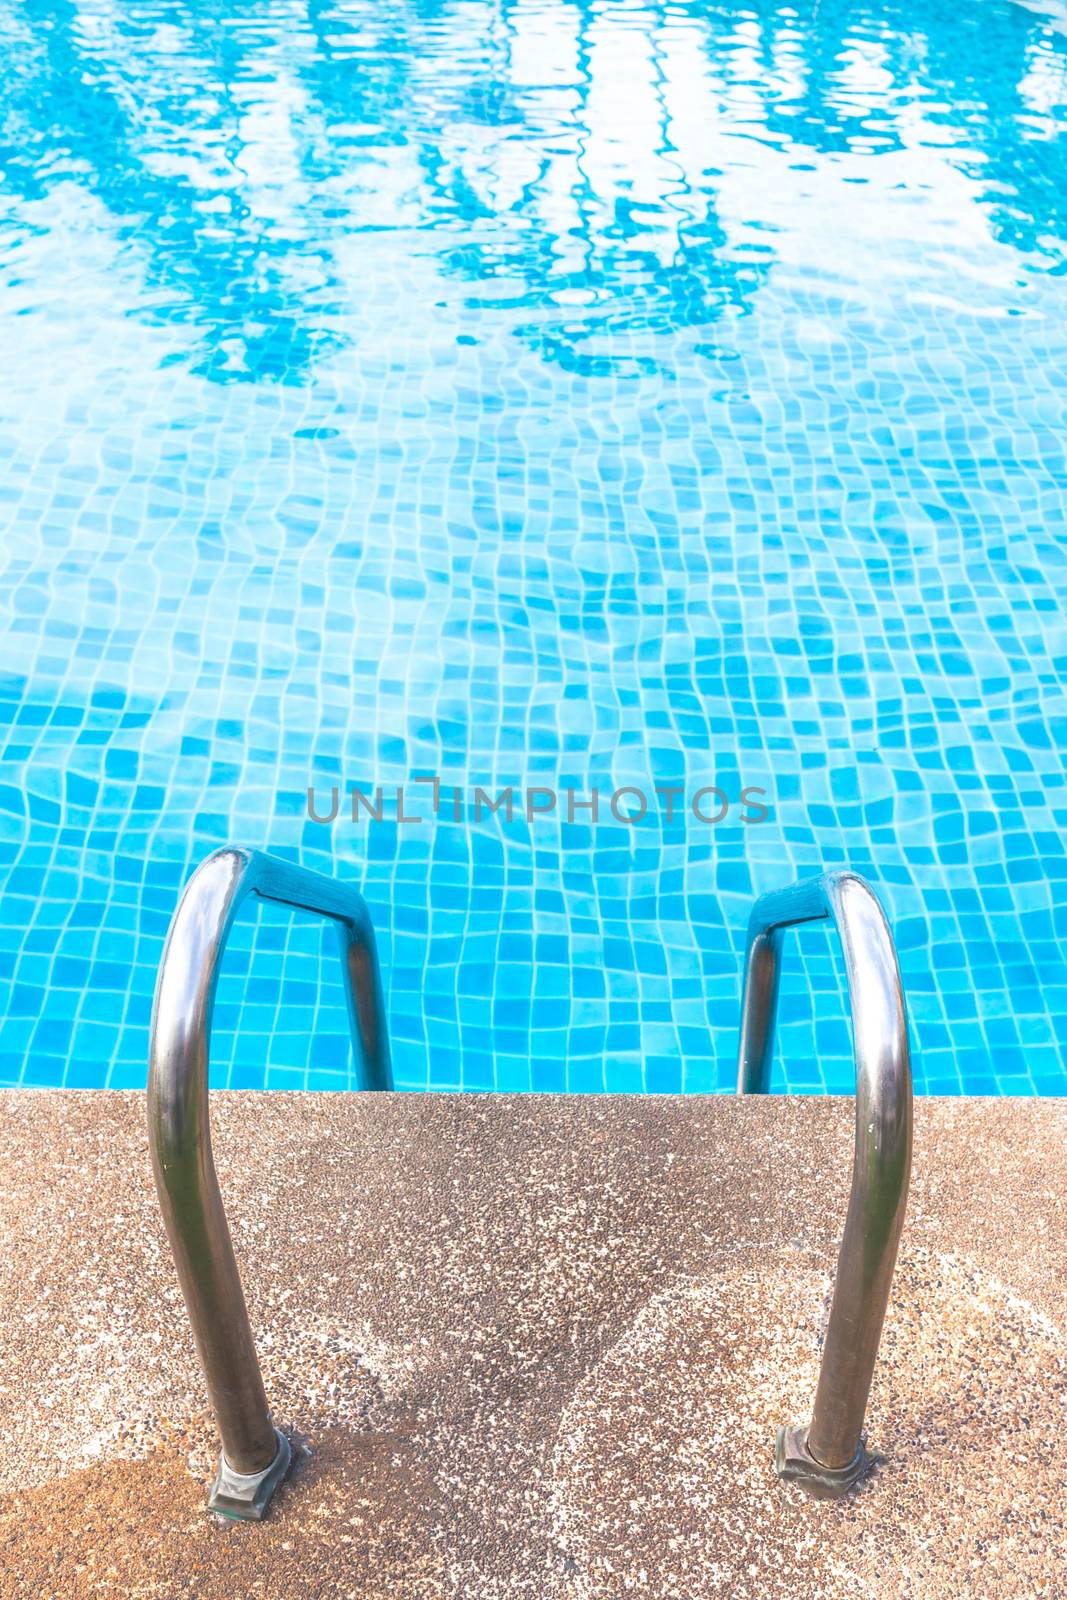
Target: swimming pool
{"x":554,"y":396}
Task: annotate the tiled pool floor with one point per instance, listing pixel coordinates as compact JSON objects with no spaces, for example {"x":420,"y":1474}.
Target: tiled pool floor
{"x":535,"y":394}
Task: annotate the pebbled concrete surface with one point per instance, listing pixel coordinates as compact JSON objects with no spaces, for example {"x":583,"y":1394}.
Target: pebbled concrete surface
{"x":536,"y":1347}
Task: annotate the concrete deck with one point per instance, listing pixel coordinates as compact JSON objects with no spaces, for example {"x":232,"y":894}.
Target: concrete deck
{"x":536,"y":1348}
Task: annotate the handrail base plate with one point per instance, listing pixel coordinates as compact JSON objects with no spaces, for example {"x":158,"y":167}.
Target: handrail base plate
{"x":794,"y":1463}
{"x":245,"y":1496}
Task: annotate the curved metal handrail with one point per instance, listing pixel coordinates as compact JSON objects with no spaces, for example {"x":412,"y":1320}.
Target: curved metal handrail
{"x":828,"y":1456}
{"x":255,"y":1456}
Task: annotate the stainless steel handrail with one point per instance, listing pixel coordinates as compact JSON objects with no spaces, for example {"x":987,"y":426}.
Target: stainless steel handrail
{"x":828,"y":1456}
{"x":255,"y":1456}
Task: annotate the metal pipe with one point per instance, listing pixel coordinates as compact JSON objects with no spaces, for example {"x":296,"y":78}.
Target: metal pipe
{"x":255,"y":1456}
{"x":828,"y":1456}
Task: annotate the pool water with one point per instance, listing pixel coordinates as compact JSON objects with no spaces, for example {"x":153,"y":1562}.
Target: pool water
{"x":547,"y":395}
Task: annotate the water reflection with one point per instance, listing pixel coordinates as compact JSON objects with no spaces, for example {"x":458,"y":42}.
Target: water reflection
{"x":606,"y":176}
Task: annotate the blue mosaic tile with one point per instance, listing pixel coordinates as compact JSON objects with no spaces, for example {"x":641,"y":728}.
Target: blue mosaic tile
{"x":535,"y":394}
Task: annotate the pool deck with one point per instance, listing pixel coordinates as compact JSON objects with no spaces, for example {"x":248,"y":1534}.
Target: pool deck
{"x":536,"y":1347}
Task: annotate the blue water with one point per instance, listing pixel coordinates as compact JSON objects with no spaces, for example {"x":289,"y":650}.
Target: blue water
{"x":535,"y":394}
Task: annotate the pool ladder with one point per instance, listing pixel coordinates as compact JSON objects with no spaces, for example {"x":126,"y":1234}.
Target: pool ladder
{"x":826,"y":1457}
{"x":255,"y":1455}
